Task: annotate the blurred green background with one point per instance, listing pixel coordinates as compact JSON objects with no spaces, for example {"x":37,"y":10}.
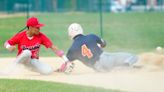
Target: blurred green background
{"x":133,"y":26}
{"x":132,"y":32}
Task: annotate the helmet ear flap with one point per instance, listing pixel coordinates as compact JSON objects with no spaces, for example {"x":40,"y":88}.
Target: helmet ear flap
{"x":74,"y":29}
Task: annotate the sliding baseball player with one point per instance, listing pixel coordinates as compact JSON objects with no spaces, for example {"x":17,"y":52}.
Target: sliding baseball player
{"x":28,"y":43}
{"x":88,"y":50}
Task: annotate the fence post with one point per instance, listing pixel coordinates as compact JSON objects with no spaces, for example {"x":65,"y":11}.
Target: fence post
{"x":101,"y":18}
{"x":28,"y":9}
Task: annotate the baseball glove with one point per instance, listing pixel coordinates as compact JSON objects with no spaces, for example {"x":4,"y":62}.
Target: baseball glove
{"x":66,"y":67}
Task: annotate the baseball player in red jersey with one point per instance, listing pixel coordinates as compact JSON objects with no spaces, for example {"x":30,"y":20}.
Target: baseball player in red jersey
{"x":29,"y":42}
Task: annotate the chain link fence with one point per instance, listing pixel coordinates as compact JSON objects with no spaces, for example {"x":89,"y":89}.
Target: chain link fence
{"x":15,"y":6}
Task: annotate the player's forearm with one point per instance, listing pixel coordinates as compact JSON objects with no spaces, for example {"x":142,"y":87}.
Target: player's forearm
{"x":11,"y":49}
{"x":54,"y":48}
{"x":58,"y":52}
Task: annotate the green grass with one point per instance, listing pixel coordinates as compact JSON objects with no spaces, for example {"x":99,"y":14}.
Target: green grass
{"x":135,"y":31}
{"x":13,"y":85}
{"x":132,"y":32}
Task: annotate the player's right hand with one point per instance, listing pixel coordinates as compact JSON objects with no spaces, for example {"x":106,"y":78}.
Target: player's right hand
{"x":12,"y":48}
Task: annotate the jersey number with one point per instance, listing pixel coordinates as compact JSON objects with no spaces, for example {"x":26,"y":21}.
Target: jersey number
{"x":86,"y":51}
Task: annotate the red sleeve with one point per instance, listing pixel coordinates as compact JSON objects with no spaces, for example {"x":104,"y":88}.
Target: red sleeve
{"x":15,"y":39}
{"x":46,"y":41}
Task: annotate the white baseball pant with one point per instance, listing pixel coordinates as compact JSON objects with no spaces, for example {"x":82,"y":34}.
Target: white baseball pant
{"x":33,"y":64}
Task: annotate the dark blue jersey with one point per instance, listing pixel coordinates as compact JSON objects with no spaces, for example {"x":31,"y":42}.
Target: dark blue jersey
{"x":85,"y":49}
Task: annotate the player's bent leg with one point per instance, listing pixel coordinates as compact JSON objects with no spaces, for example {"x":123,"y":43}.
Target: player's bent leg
{"x":40,"y":67}
{"x":24,"y":56}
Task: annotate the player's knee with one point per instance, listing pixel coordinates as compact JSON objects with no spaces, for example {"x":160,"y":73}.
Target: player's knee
{"x":26,"y":53}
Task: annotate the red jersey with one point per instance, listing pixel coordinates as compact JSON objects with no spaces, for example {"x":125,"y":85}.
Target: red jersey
{"x":31,"y":44}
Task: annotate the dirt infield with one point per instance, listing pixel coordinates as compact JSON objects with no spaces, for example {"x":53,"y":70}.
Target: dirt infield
{"x":148,"y":79}
{"x":5,"y":15}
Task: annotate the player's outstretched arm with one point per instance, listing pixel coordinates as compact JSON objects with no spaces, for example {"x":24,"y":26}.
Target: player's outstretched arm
{"x":58,"y":52}
{"x":67,"y":66}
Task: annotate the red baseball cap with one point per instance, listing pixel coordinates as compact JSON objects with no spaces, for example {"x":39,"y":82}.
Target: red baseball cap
{"x":33,"y":21}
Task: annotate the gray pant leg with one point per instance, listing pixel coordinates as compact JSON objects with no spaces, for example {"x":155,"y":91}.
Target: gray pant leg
{"x":41,"y":67}
{"x":132,"y":60}
{"x":25,"y":56}
{"x":32,"y":64}
{"x":123,"y":58}
{"x":108,"y":61}
{"x":105,"y":63}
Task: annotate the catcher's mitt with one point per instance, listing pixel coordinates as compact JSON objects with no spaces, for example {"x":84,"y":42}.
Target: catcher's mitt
{"x":66,"y":67}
